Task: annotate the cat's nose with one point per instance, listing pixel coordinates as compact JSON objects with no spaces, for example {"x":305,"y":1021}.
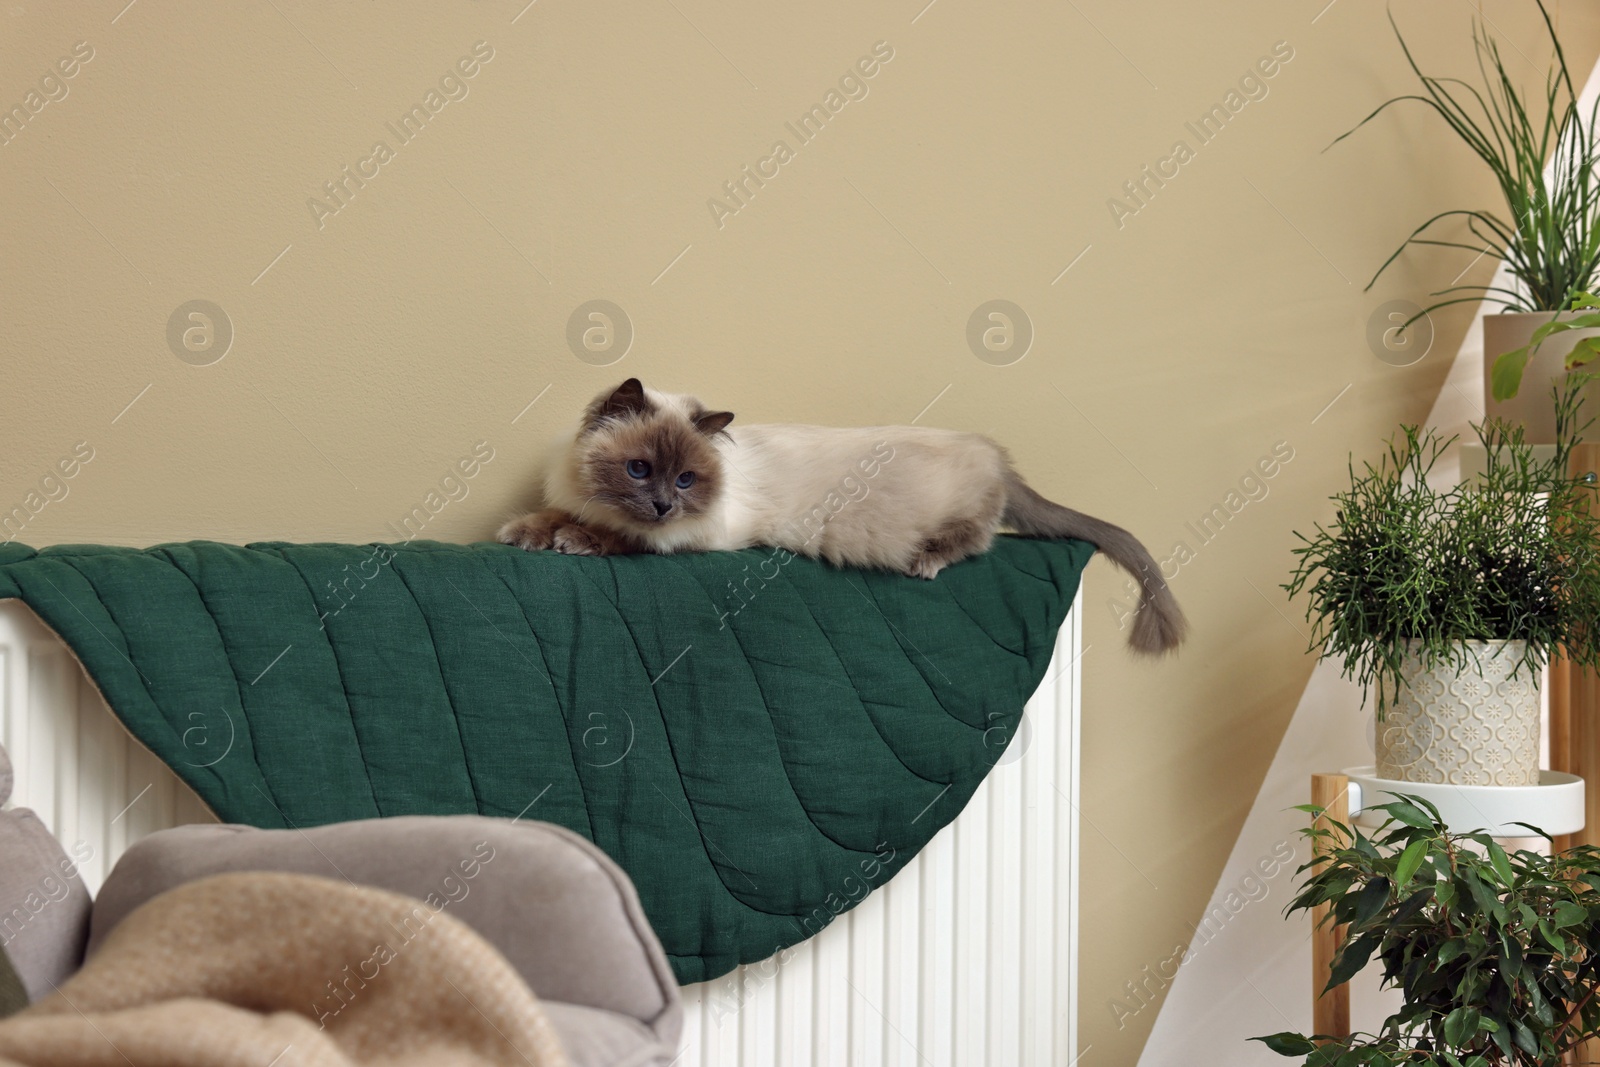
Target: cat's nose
{"x":662,"y":507}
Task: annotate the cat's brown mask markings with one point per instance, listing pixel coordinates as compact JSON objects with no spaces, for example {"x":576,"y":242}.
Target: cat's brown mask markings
{"x":635,"y":457}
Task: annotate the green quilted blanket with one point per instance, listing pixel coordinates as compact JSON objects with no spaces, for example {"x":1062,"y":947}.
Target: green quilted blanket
{"x":754,"y":739}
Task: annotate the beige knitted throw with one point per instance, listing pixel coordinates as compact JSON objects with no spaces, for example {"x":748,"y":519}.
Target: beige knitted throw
{"x":283,"y":970}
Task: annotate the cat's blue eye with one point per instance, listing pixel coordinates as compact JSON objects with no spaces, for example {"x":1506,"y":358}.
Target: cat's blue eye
{"x":686,"y":479}
{"x":638,"y":468}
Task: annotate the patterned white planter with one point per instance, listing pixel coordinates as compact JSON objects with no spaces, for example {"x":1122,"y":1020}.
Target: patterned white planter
{"x":1475,"y":726}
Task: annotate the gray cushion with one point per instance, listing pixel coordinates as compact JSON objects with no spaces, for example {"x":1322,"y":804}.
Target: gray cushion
{"x":561,"y":911}
{"x":595,"y":1038}
{"x":44,"y":907}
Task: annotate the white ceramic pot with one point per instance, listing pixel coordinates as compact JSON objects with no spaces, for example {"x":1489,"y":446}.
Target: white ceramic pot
{"x":1532,"y":406}
{"x":1476,"y":725}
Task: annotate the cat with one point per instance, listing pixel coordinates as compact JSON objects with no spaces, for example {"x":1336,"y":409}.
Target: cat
{"x":659,"y":472}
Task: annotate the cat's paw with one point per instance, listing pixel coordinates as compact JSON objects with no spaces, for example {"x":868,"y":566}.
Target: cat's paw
{"x":531,"y":533}
{"x":574,"y":540}
{"x":926,"y":565}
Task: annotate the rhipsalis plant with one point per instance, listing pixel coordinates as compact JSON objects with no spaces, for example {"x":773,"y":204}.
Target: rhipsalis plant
{"x":1549,"y":238}
{"x":1410,"y":568}
{"x":1497,"y":955}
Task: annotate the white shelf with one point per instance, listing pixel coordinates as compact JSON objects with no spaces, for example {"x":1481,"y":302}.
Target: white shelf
{"x":1555,"y":805}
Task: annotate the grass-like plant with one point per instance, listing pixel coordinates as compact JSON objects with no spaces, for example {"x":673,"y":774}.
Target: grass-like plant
{"x":1497,"y":955}
{"x":1409,"y":567}
{"x":1549,"y":238}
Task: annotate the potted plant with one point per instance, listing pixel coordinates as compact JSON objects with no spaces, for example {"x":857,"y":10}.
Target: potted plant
{"x":1542,"y":152}
{"x":1450,"y":600}
{"x":1497,"y":955}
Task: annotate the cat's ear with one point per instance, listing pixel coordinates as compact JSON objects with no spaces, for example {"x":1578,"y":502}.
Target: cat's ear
{"x":626,"y":399}
{"x":713,"y":422}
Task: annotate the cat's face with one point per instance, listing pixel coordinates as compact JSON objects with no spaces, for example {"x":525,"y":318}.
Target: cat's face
{"x":650,"y":462}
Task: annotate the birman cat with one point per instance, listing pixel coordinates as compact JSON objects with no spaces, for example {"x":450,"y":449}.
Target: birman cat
{"x":659,"y":472}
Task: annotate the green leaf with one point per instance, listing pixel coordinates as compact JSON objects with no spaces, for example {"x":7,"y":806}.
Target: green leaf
{"x":1577,"y":322}
{"x":1569,"y":914}
{"x":1502,"y":865}
{"x":1582,"y":322}
{"x":1326,"y":1056}
{"x":1371,"y":901}
{"x":1352,"y":957}
{"x":1557,"y":942}
{"x":1543,"y":1013}
{"x":1410,"y":906}
{"x":1461,"y":1026}
{"x":1408,"y":813}
{"x":1483,"y":894}
{"x":1524,"y":1038}
{"x":1585,"y":351}
{"x":1505,"y":377}
{"x":1502,"y":1038}
{"x":1510,"y":955}
{"x":1410,"y":860}
{"x":1288,"y":1044}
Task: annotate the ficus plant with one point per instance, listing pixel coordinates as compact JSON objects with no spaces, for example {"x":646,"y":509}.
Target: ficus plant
{"x":1496,"y":954}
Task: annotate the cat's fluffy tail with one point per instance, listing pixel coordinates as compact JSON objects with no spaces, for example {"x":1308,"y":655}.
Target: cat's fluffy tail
{"x":1158,"y":622}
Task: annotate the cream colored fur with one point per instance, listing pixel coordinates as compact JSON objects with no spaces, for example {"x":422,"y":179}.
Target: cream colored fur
{"x":883,"y":489}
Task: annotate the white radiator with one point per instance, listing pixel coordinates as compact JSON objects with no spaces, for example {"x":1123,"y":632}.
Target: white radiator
{"x":967,"y":957}
{"x":96,"y":788}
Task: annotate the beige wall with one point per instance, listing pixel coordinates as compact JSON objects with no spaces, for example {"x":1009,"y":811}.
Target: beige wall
{"x":375,"y":345}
